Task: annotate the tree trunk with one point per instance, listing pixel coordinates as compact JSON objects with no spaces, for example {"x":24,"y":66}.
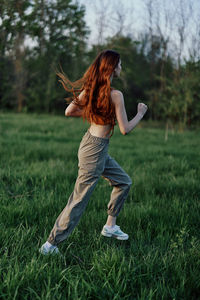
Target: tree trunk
{"x":19,"y":72}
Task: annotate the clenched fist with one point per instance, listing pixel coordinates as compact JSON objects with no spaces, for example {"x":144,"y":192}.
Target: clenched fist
{"x":142,"y":108}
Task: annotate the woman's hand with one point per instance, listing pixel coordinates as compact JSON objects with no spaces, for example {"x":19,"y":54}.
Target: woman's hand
{"x":141,"y":108}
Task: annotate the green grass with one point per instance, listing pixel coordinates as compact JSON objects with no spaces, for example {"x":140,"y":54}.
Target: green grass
{"x":38,"y":168}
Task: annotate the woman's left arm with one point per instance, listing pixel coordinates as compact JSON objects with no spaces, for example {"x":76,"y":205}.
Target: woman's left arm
{"x":74,"y":110}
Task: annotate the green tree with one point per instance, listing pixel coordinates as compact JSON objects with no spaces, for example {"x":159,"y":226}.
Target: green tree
{"x":57,"y":32}
{"x":13,"y":29}
{"x":60,"y":33}
{"x":181,"y":96}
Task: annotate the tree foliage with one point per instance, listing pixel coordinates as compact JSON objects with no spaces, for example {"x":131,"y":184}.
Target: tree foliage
{"x":57,"y":32}
{"x":36,"y":36}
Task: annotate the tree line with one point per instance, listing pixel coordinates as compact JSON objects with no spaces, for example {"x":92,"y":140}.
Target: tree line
{"x":38,"y":36}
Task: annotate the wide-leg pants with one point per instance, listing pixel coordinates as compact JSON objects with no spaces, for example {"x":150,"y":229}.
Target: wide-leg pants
{"x":94,"y":162}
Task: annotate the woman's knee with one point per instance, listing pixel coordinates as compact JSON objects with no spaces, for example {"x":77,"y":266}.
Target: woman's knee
{"x":129,"y":181}
{"x":127,"y":184}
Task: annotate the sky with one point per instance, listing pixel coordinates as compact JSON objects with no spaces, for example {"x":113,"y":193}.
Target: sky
{"x":132,"y":9}
{"x":105,"y":13}
{"x":133,"y":14}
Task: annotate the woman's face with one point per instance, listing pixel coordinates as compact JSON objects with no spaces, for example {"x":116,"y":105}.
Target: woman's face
{"x":118,"y":69}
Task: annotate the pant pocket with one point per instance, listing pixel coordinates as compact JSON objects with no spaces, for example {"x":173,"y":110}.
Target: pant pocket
{"x":92,"y":158}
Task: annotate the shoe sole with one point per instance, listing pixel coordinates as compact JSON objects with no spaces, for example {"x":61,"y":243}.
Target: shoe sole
{"x":115,"y":236}
{"x":52,"y":254}
{"x":49,"y":253}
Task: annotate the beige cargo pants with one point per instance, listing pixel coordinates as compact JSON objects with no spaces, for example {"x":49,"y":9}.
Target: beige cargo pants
{"x":94,"y":162}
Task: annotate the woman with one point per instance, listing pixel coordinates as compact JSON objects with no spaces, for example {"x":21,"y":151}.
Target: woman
{"x":101,"y":106}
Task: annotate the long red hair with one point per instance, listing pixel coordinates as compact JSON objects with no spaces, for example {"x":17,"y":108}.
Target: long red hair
{"x":96,"y":101}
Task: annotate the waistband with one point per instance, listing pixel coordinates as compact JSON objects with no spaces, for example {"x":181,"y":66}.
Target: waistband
{"x":97,"y":138}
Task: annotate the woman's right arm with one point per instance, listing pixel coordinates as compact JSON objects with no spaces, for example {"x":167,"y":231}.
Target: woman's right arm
{"x":126,"y":126}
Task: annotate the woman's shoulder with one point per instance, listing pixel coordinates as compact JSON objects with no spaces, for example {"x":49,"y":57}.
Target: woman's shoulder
{"x":115,"y":92}
{"x":116,"y":95}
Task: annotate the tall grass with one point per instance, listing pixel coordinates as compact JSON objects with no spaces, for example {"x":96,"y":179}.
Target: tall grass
{"x":38,"y":168}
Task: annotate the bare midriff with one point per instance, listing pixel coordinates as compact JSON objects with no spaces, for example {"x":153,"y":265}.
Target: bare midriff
{"x":102,"y":131}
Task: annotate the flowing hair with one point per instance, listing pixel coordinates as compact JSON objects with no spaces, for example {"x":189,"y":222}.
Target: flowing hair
{"x":96,"y":102}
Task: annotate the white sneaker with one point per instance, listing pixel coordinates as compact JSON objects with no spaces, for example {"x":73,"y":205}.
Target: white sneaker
{"x":114,"y":232}
{"x":49,"y":249}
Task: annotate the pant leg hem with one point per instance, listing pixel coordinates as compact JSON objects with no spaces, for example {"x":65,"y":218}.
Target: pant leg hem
{"x":112,"y":215}
{"x":52,"y":242}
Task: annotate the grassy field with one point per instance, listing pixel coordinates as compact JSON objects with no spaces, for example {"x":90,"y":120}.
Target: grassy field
{"x":38,"y":168}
